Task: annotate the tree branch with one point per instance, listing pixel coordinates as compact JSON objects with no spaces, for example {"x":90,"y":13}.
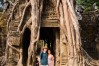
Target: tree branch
{"x":12,"y":13}
{"x":23,"y":16}
{"x":13,"y":48}
{"x":26,"y":25}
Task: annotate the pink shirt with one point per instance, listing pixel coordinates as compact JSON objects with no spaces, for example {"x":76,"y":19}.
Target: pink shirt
{"x":50,"y":60}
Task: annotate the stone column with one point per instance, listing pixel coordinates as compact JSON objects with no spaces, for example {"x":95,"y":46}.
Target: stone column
{"x":63,"y":50}
{"x":57,"y":54}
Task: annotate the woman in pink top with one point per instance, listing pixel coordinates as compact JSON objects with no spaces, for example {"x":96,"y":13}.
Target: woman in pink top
{"x":50,"y":59}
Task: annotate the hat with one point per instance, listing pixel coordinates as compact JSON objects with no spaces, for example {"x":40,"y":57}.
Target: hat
{"x":45,"y":47}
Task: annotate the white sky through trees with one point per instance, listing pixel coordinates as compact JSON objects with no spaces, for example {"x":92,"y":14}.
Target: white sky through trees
{"x":1,"y":3}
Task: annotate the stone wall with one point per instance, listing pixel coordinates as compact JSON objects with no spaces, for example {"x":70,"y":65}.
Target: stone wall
{"x":2,"y":35}
{"x":2,"y":46}
{"x":89,"y":27}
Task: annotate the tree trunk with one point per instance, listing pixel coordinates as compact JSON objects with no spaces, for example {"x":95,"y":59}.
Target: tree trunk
{"x":35,"y":27}
{"x":70,"y":29}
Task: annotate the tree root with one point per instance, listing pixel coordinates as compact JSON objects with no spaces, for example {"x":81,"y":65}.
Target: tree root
{"x":35,"y":27}
{"x":20,"y":60}
{"x":28,"y":23}
{"x":13,"y":48}
{"x":88,"y":60}
{"x":12,"y":13}
{"x":70,"y":28}
{"x":23,"y":16}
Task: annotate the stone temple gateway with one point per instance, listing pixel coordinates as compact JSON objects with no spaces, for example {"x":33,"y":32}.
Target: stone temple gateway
{"x":50,"y":35}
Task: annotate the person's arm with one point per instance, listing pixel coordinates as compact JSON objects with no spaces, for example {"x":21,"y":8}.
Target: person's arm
{"x":40,"y":55}
{"x":52,"y":58}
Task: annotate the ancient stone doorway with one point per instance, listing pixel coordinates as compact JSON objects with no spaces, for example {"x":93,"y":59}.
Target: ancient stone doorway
{"x":25,"y":45}
{"x":49,"y":37}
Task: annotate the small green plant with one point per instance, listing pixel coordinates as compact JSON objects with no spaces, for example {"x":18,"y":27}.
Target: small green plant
{"x":88,"y":4}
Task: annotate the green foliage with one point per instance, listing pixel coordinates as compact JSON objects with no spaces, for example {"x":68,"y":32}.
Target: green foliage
{"x":87,"y":3}
{"x":1,"y":5}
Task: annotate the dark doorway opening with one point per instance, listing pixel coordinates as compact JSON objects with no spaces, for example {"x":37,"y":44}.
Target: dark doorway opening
{"x":25,"y":44}
{"x":48,"y":35}
{"x":48,"y":38}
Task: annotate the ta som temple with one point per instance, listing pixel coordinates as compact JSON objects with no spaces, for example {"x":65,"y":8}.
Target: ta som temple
{"x":33,"y":24}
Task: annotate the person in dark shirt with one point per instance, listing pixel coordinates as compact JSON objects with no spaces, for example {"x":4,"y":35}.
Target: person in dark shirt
{"x":44,"y":57}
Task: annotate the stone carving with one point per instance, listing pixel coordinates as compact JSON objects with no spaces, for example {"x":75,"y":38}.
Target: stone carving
{"x":49,"y":10}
